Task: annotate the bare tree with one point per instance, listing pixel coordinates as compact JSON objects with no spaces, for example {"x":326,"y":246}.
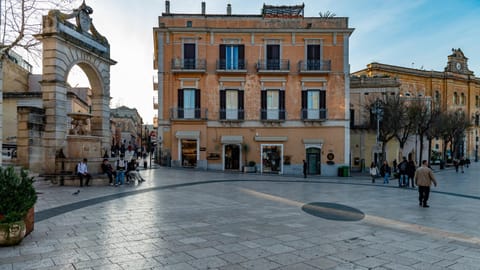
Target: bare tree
{"x":20,"y":20}
{"x":451,"y":126}
{"x":385,"y":112}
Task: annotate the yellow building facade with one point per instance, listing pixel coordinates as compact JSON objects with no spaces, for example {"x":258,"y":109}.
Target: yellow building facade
{"x":455,"y":88}
{"x":272,"y":89}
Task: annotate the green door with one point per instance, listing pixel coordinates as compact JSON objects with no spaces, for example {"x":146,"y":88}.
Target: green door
{"x":313,"y":160}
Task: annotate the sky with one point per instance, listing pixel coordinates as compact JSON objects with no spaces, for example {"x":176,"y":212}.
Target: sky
{"x":414,"y":33}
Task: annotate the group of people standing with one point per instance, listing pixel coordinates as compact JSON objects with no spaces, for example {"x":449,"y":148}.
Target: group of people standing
{"x":406,"y":172}
{"x":408,"y":175}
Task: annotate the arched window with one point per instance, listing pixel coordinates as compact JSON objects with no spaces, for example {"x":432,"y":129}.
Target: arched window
{"x":462,"y":99}
{"x":455,"y":98}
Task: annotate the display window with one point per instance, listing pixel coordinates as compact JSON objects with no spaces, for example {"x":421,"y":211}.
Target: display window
{"x":272,"y":158}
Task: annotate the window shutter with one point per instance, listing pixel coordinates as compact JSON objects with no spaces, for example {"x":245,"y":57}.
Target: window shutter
{"x":241,"y":56}
{"x":263,"y":101}
{"x":323,"y":104}
{"x":222,"y":104}
{"x":180,"y":104}
{"x":281,"y":105}
{"x":197,"y":104}
{"x":222,"y":56}
{"x":304,"y":104}
{"x":241,"y":112}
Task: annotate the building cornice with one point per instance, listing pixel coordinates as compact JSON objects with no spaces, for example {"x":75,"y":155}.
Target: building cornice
{"x":379,"y":67}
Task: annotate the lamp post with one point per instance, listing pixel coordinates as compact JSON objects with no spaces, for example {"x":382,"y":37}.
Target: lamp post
{"x":377,"y":110}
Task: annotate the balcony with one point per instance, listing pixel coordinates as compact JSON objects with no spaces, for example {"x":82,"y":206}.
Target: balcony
{"x":232,"y":115}
{"x":238,"y":66}
{"x":188,"y":114}
{"x":189,"y":65}
{"x":273,"y":115}
{"x":313,"y":115}
{"x":315,"y":66}
{"x":274,"y":66}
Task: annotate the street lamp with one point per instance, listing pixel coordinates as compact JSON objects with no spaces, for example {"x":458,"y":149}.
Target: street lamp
{"x":377,"y":110}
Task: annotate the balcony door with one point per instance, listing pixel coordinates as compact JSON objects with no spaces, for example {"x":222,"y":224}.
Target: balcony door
{"x":313,"y":105}
{"x":189,"y":103}
{"x":189,"y":55}
{"x":313,"y":57}
{"x":273,"y":56}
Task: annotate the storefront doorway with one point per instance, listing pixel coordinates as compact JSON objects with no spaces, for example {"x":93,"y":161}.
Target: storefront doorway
{"x":232,"y":157}
{"x":272,"y":158}
{"x":189,"y":153}
{"x":313,"y":160}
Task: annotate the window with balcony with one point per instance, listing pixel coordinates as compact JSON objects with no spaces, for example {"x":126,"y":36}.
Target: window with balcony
{"x":313,"y":57}
{"x":273,"y":56}
{"x":231,"y":105}
{"x":232,"y":57}
{"x":273,"y":105}
{"x":314,"y":105}
{"x":188,"y":104}
{"x":189,"y":55}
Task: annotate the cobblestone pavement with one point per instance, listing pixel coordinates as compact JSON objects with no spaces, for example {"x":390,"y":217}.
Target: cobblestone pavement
{"x":187,"y":219}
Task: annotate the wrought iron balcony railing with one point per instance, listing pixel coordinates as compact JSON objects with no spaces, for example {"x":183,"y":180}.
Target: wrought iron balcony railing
{"x":232,"y":114}
{"x":314,"y":114}
{"x":177,"y":113}
{"x":273,"y":114}
{"x":278,"y":65}
{"x":189,"y":64}
{"x":232,"y":65}
{"x":315,"y":66}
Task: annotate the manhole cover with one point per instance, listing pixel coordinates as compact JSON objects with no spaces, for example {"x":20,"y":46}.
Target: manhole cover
{"x":333,"y":211}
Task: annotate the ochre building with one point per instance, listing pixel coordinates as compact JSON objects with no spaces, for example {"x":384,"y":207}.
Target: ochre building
{"x":455,"y":88}
{"x":270,"y":89}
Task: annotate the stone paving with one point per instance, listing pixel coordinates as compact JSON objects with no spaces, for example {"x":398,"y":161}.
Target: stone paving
{"x":188,"y":219}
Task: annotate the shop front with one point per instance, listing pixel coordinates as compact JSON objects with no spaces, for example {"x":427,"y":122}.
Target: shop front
{"x":272,"y":158}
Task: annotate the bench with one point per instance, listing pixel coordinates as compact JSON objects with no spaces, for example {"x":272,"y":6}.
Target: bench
{"x":72,"y":179}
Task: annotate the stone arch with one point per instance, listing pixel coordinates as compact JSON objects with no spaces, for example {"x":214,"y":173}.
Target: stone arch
{"x":66,"y":44}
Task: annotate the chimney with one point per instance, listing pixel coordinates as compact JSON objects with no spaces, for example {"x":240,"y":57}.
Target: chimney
{"x":167,"y":6}
{"x":203,"y":8}
{"x":229,"y":9}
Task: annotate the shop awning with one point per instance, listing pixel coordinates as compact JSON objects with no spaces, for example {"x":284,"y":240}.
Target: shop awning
{"x":232,"y":139}
{"x":313,"y":141}
{"x":271,"y":138}
{"x":187,"y":134}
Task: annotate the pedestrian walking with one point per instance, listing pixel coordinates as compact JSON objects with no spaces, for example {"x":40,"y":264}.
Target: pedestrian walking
{"x":402,"y":172}
{"x":385,"y":171}
{"x":411,"y":172}
{"x":423,"y":179}
{"x":373,"y":171}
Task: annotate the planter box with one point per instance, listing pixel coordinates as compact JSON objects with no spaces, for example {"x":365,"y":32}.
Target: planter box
{"x":248,"y":169}
{"x":12,"y":233}
{"x":29,"y":221}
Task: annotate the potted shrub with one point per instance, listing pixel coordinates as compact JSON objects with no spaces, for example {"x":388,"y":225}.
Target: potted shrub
{"x":18,"y":197}
{"x":250,"y":167}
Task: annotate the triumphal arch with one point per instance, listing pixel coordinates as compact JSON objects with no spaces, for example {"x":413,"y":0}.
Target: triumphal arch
{"x":71,"y":39}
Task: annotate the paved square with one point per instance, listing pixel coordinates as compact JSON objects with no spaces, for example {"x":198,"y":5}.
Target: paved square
{"x":187,"y":219}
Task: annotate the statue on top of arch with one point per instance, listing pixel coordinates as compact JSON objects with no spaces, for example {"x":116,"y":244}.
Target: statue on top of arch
{"x":84,"y":23}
